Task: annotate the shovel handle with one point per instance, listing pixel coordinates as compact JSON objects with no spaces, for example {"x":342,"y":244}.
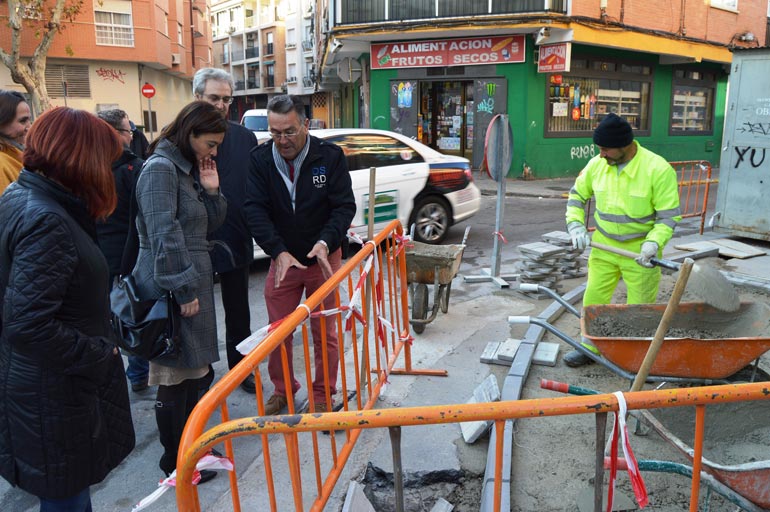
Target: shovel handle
{"x":671,"y":265}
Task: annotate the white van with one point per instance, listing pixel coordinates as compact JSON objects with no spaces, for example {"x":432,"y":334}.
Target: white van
{"x":256,"y":120}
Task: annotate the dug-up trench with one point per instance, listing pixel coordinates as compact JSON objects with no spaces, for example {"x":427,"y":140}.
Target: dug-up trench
{"x":553,"y":458}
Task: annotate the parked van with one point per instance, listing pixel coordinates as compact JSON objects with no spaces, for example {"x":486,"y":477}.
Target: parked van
{"x":256,"y":120}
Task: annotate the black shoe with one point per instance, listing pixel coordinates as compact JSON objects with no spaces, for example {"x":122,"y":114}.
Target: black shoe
{"x":576,"y":358}
{"x":249,"y":385}
{"x":141,"y":385}
{"x":206,"y":475}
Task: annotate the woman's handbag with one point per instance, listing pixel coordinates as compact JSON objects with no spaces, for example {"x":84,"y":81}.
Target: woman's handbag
{"x":145,"y":328}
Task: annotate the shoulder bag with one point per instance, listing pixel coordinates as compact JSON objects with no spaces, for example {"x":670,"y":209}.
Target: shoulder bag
{"x":145,"y":328}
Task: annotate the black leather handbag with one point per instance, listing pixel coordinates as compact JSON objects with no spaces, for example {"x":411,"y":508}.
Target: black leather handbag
{"x":145,"y":328}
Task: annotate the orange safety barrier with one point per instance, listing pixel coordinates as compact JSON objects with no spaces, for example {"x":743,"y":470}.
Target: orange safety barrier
{"x":694,"y":181}
{"x":353,"y":421}
{"x":377,"y":270}
{"x":694,"y":178}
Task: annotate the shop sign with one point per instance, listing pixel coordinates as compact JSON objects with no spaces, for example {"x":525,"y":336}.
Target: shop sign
{"x":554,"y":58}
{"x":449,"y":52}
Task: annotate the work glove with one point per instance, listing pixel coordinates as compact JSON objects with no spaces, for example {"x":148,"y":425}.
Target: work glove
{"x":649,"y":250}
{"x":579,"y":234}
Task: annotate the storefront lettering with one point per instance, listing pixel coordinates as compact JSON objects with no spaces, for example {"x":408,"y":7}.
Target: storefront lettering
{"x":486,"y":105}
{"x":582,"y":152}
{"x":756,"y":156}
{"x":111,"y":74}
{"x":449,"y":52}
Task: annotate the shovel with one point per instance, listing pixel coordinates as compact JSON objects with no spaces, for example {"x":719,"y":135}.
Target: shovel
{"x":706,"y":282}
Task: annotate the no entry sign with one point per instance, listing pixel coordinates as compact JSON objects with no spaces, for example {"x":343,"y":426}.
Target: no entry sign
{"x":148,"y":90}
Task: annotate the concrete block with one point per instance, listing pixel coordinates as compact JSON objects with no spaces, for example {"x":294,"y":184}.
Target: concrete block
{"x":540,"y":250}
{"x":356,"y":500}
{"x":520,"y":365}
{"x":512,"y":386}
{"x":487,"y":391}
{"x":507,"y":349}
{"x":545,"y":354}
{"x":442,"y":505}
{"x":490,"y":351}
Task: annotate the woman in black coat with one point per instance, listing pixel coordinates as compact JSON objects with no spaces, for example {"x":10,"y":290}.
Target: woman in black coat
{"x":65,"y":418}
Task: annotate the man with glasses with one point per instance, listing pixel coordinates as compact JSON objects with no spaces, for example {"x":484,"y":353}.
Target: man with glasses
{"x":299,"y":205}
{"x":113,"y":232}
{"x":233,"y":247}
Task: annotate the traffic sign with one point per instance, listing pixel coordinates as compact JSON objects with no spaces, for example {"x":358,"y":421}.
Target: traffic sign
{"x":148,"y":90}
{"x":498,"y":147}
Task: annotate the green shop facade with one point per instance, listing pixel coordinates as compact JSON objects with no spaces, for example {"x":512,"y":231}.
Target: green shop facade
{"x":444,"y":92}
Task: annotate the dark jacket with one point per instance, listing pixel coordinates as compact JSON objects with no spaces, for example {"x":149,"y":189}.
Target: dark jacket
{"x":324,"y":201}
{"x":233,"y":246}
{"x":175,"y":216}
{"x":112,"y":232}
{"x":65,"y":418}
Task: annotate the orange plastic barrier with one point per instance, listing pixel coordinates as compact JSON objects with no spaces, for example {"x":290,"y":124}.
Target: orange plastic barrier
{"x":377,"y":270}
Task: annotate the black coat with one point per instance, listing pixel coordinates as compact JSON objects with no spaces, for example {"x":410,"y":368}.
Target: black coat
{"x":65,"y":418}
{"x":233,"y":246}
{"x":113,"y":231}
{"x":324,"y":201}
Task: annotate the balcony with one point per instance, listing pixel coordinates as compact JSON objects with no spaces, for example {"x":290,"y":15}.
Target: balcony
{"x":307,"y":46}
{"x":307,"y":81}
{"x":372,"y":11}
{"x":270,"y":81}
{"x":237,"y":55}
{"x":240,"y":85}
{"x":291,"y":45}
{"x":252,"y":53}
{"x":269,"y":49}
{"x":226,"y":58}
{"x":291,"y":80}
{"x":252,"y":83}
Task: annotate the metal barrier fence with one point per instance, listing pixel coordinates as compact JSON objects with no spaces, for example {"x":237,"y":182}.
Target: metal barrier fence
{"x":380,"y":267}
{"x":376,"y":332}
{"x":694,"y":180}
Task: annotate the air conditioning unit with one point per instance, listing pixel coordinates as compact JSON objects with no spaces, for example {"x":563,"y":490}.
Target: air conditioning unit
{"x":176,"y":58}
{"x":231,"y":29}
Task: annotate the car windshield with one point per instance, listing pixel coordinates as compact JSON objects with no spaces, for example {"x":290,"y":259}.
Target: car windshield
{"x":255,"y":123}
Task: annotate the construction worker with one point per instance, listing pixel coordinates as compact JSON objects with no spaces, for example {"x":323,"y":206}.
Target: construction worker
{"x":636,"y":209}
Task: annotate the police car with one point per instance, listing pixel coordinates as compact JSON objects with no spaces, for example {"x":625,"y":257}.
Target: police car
{"x":414,"y":183}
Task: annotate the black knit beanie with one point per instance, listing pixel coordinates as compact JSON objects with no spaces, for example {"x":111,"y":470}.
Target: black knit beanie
{"x":613,"y":132}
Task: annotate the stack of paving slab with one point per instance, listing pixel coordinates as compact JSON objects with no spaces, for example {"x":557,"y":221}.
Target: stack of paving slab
{"x":570,"y":264}
{"x":539,"y":265}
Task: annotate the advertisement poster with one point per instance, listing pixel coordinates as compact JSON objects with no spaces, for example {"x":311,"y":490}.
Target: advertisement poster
{"x":554,"y":58}
{"x":449,"y":52}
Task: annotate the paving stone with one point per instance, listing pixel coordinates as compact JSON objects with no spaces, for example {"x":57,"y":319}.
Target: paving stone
{"x":540,"y":249}
{"x":545,"y":354}
{"x":507,"y":349}
{"x":487,"y":391}
{"x":442,"y":505}
{"x":490,"y":351}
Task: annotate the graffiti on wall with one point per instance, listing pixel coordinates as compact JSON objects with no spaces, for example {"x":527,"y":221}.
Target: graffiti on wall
{"x":111,"y":74}
{"x":754,"y":128}
{"x":753,"y":157}
{"x":582,"y":152}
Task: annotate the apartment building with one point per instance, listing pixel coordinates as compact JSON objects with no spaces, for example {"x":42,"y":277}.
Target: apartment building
{"x":269,"y":48}
{"x":113,"y":48}
{"x":439,"y":70}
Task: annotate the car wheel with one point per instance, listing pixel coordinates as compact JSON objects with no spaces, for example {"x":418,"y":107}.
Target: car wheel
{"x":431,"y":219}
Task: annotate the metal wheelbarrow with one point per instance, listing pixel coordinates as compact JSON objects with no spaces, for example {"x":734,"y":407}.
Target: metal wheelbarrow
{"x":431,"y":264}
{"x":734,"y":339}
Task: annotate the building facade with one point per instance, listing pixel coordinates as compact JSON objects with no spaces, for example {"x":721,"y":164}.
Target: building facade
{"x":440,"y":70}
{"x":104,"y":57}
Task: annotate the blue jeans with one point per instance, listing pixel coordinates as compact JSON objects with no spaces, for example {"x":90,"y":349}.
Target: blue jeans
{"x":80,"y":502}
{"x":138,"y":369}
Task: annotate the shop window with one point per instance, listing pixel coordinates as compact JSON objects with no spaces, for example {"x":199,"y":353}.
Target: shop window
{"x":692,"y":104}
{"x":578,"y":101}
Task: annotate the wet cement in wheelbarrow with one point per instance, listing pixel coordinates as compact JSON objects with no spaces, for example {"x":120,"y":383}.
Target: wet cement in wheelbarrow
{"x":614,"y":327}
{"x":727,"y":441}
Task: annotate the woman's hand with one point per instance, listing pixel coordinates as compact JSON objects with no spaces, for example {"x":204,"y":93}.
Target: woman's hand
{"x":209,"y":175}
{"x":189,"y":309}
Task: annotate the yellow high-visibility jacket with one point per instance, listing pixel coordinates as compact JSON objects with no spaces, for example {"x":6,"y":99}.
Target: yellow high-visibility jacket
{"x":641,"y":201}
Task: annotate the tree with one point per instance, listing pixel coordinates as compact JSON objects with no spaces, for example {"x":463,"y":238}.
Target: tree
{"x":45,"y":19}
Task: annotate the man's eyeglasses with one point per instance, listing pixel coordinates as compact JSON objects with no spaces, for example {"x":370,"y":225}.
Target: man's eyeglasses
{"x":124,"y":130}
{"x":289,"y":135}
{"x":213,"y":98}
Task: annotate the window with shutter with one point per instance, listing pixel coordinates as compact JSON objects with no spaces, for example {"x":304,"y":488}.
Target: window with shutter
{"x":70,"y":79}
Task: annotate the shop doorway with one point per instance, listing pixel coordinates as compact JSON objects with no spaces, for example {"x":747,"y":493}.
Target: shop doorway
{"x":446,"y":117}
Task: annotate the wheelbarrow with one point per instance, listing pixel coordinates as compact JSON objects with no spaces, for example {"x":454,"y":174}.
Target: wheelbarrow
{"x":734,"y":339}
{"x":431,"y":264}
